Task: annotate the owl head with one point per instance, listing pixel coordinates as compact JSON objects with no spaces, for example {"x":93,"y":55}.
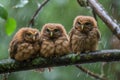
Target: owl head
{"x":84,"y":23}
{"x":27,"y":34}
{"x":53,"y":30}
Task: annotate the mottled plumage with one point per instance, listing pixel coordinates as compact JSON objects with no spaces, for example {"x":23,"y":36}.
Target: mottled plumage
{"x":54,"y":40}
{"x":84,"y":35}
{"x":25,"y":44}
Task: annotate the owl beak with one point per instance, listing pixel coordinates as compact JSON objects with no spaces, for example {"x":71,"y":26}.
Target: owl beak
{"x":82,"y":26}
{"x":33,"y":37}
{"x":51,"y":34}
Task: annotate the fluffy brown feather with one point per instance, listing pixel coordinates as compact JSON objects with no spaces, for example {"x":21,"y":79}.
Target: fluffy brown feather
{"x":54,"y":40}
{"x":25,"y":44}
{"x":84,"y":35}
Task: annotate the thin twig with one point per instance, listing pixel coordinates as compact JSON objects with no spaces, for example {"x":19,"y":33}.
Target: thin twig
{"x":102,"y":69}
{"x":94,"y":15}
{"x":82,"y":3}
{"x":94,"y":75}
{"x":31,"y":22}
{"x":5,"y":76}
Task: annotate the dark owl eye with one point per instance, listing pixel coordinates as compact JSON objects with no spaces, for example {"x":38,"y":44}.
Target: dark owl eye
{"x":87,"y":23}
{"x":78,"y":23}
{"x":47,"y":30}
{"x":56,"y":30}
{"x":29,"y":34}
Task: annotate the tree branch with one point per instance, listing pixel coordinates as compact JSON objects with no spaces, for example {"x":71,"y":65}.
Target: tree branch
{"x":31,"y":22}
{"x":85,"y":70}
{"x":5,"y":76}
{"x":99,"y":10}
{"x":9,"y":65}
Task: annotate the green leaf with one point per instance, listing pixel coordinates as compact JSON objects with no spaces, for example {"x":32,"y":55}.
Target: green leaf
{"x":10,"y":26}
{"x":3,"y":13}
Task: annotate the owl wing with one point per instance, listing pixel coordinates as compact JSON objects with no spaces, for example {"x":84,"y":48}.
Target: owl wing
{"x":70,"y":35}
{"x":25,"y":51}
{"x":98,"y":34}
{"x":71,"y":32}
{"x":47,"y":47}
{"x":13,"y":48}
{"x":62,"y":45}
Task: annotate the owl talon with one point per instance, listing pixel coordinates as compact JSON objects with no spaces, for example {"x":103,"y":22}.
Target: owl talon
{"x":50,"y":69}
{"x":78,"y":53}
{"x":87,"y":51}
{"x":54,"y":41}
{"x":40,"y":69}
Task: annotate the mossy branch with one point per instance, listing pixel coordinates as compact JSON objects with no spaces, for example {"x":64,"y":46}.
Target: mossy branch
{"x":9,"y":65}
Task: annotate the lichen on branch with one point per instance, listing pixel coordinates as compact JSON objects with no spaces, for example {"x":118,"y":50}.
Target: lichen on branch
{"x":9,"y":65}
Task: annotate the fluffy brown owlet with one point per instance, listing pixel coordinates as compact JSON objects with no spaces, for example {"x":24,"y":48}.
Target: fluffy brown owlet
{"x":24,"y":44}
{"x":84,"y":35}
{"x":54,"y":40}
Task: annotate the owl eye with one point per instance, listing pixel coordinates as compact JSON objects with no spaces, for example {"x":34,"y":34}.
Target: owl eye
{"x":29,"y":34}
{"x":87,"y":23}
{"x":78,"y":23}
{"x":47,"y":30}
{"x":56,"y":30}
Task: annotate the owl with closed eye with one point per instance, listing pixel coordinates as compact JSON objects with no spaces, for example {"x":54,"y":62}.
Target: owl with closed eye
{"x":84,"y":35}
{"x":25,"y":44}
{"x":54,"y":40}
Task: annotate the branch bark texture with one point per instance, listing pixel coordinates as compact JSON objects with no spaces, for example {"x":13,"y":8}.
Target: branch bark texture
{"x":100,"y":11}
{"x":9,"y":65}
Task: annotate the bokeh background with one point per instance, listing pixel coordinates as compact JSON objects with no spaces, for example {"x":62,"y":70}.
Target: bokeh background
{"x":64,"y":12}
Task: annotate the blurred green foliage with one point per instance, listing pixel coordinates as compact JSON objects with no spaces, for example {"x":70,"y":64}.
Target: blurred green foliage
{"x":10,"y":26}
{"x":3,"y":13}
{"x":56,"y":11}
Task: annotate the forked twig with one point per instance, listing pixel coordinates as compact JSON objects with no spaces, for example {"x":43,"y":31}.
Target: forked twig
{"x":94,"y":75}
